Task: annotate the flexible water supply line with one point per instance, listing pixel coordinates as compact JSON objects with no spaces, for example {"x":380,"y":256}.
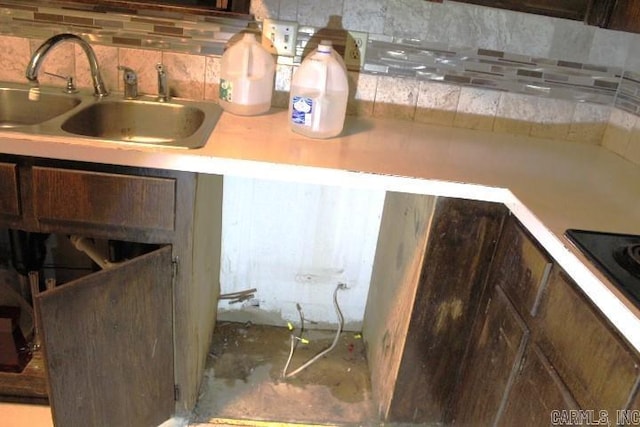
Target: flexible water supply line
{"x":325,"y":351}
{"x":294,"y":341}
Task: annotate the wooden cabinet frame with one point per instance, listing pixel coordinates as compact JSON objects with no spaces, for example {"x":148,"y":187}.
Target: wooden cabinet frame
{"x":427,"y":287}
{"x":192,"y":232}
{"x":10,"y":208}
{"x":574,"y":358}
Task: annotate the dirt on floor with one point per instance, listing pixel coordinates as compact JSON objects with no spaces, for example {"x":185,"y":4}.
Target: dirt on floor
{"x":244,"y":377}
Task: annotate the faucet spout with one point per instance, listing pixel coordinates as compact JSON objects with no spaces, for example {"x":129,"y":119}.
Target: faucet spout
{"x":40,"y":54}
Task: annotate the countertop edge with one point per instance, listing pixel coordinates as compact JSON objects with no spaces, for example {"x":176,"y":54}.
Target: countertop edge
{"x":601,"y":292}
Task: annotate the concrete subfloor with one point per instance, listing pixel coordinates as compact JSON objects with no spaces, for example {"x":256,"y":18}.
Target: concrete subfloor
{"x":243,"y":382}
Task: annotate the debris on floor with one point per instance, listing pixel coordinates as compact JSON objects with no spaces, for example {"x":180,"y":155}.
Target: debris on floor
{"x":243,"y":378}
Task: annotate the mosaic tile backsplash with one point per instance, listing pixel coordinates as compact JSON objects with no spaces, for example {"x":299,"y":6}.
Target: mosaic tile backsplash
{"x":403,"y":76}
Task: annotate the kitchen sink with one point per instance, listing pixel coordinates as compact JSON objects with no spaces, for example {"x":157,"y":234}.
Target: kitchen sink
{"x":176,"y":123}
{"x":18,"y":109}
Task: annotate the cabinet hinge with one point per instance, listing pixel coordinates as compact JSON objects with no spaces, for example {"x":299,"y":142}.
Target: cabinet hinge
{"x":174,"y":268}
{"x":176,"y":392}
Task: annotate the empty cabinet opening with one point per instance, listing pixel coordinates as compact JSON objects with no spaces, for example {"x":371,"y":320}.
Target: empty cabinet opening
{"x":400,"y":355}
{"x":279,"y":272}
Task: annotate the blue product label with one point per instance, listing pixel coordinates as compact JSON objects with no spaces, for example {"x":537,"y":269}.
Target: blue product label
{"x":302,"y":110}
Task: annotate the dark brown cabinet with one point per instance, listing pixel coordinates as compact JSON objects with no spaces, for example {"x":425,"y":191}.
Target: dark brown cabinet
{"x":621,"y":15}
{"x":126,"y":345}
{"x":427,"y":287}
{"x":573,"y":359}
{"x":536,"y":392}
{"x":520,"y":268}
{"x":492,"y":364}
{"x":599,"y":369}
{"x":9,"y":197}
{"x":78,"y":197}
{"x":108,"y":345}
{"x":220,"y":7}
{"x":570,"y":9}
{"x":611,"y":14}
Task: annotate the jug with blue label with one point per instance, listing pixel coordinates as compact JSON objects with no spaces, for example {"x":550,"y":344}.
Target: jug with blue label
{"x":319,"y":93}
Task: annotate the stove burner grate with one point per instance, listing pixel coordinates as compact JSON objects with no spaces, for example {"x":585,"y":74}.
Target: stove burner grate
{"x":628,"y":257}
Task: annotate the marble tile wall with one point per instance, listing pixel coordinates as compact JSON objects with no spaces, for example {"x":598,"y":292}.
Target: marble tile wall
{"x":438,"y":50}
{"x":458,"y":25}
{"x":441,"y":63}
{"x":622,"y":135}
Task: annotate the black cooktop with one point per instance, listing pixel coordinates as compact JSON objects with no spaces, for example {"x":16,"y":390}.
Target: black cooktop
{"x":617,"y":256}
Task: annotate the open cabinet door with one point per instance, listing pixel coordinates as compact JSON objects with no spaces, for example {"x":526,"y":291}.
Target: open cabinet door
{"x":108,"y":345}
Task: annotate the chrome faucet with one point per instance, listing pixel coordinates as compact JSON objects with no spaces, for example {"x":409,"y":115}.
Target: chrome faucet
{"x":40,"y":54}
{"x":130,"y":79}
{"x":163,"y":87}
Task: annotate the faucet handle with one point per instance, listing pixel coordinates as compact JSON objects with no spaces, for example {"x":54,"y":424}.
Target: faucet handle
{"x":129,"y":76}
{"x":70,"y":88}
{"x":130,"y":79}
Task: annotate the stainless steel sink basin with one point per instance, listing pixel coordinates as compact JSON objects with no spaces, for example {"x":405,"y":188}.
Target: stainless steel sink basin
{"x":176,"y":123}
{"x":134,"y":121}
{"x":16,"y":109}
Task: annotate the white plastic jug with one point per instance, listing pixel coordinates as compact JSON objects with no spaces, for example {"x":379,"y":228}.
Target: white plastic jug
{"x":319,"y":92}
{"x":246,"y":77}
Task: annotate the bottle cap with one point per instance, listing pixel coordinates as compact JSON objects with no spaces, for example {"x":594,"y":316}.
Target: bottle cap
{"x":248,"y":37}
{"x":325,"y":46}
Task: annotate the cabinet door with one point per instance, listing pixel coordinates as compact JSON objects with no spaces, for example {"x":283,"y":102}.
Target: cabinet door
{"x":439,"y":264}
{"x":492,"y":364}
{"x":107,"y":340}
{"x":600,"y":370}
{"x":571,"y":9}
{"x":9,"y":202}
{"x":536,"y":393}
{"x":520,"y":267}
{"x":616,"y":15}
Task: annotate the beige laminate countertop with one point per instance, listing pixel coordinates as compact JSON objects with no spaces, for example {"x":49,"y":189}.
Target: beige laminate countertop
{"x":549,"y":185}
